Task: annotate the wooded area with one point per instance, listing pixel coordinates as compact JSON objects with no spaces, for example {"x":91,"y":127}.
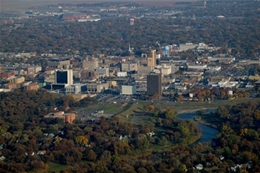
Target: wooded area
{"x":239,"y":30}
{"x":30,"y":143}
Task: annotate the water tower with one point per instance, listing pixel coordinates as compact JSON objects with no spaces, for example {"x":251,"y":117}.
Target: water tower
{"x":132,"y":21}
{"x":166,"y":51}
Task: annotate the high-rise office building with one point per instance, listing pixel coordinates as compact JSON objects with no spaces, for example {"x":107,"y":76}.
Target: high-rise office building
{"x":154,"y":84}
{"x":64,"y":77}
{"x":151,"y":62}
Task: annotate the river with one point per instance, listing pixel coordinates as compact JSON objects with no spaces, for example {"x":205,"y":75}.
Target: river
{"x":208,"y":133}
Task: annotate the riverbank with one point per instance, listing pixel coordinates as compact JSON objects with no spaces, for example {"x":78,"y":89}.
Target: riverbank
{"x":208,"y":130}
{"x":201,"y":120}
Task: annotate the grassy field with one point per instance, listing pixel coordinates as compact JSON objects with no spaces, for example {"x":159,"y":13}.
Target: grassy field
{"x":56,"y":167}
{"x":127,"y":112}
{"x":191,"y":106}
{"x":108,"y":108}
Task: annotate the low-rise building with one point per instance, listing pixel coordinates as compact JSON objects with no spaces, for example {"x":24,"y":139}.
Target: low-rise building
{"x":101,"y":87}
{"x":112,"y":84}
{"x":7,"y":75}
{"x":128,"y":89}
{"x":180,"y":88}
{"x":144,"y":70}
{"x":197,"y":67}
{"x":187,"y":46}
{"x":222,"y":58}
{"x":128,"y":66}
{"x":121,"y":74}
{"x":18,"y":80}
{"x":11,"y":86}
{"x":90,"y":63}
{"x":92,"y":87}
{"x":86,"y":75}
{"x":59,"y":63}
{"x":66,"y":117}
{"x":102,"y":71}
{"x":75,"y":88}
{"x":31,"y":86}
{"x":166,"y":70}
{"x":254,"y":78}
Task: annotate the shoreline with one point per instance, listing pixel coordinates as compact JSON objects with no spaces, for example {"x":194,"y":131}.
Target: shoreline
{"x":193,"y":110}
{"x":201,"y":121}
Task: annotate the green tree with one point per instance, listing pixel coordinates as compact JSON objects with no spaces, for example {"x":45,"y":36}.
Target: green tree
{"x":170,"y":114}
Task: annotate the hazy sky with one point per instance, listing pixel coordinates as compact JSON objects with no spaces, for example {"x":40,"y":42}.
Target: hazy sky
{"x":23,"y":4}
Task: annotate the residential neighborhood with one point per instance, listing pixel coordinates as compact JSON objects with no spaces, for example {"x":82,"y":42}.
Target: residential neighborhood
{"x":129,"y":86}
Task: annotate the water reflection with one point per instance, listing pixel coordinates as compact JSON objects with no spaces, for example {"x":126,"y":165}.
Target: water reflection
{"x":208,"y":133}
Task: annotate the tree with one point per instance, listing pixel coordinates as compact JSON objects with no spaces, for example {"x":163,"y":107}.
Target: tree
{"x":227,"y":152}
{"x":226,"y":130}
{"x":163,"y":140}
{"x":170,"y":114}
{"x":252,"y":134}
{"x":182,"y":168}
{"x":81,"y":140}
{"x":141,"y":170}
{"x":91,"y":155}
{"x":150,"y":108}
{"x":223,"y":112}
{"x":184,"y":129}
{"x":257,"y":114}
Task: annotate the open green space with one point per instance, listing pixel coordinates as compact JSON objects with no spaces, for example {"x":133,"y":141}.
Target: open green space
{"x":186,"y":106}
{"x":108,"y":108}
{"x":128,"y":111}
{"x":56,"y":167}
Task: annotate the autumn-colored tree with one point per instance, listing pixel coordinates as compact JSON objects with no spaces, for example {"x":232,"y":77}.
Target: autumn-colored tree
{"x":170,"y":114}
{"x":81,"y":140}
{"x":91,"y":155}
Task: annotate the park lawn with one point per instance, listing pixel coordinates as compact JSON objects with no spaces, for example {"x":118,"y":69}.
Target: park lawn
{"x":186,"y":106}
{"x":108,"y":108}
{"x":129,"y":111}
{"x":111,"y":108}
{"x":56,"y":167}
{"x":90,"y":107}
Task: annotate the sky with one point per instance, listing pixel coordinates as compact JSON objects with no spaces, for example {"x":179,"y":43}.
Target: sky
{"x":9,"y":5}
